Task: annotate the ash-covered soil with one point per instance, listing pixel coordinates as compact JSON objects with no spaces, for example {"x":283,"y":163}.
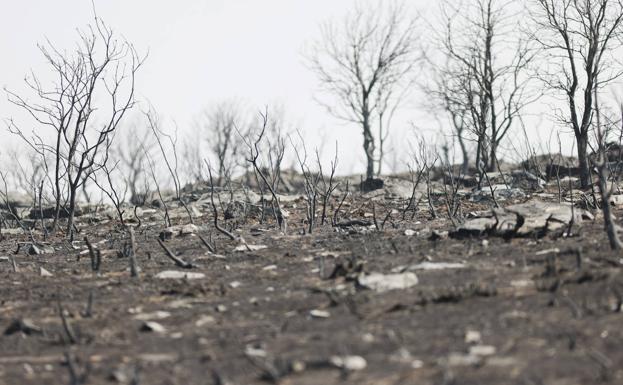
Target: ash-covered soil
{"x":542,"y":308}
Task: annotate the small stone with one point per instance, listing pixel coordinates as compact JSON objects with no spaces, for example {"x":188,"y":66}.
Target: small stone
{"x":473,"y":337}
{"x":438,"y":235}
{"x":172,"y":274}
{"x":245,"y":247}
{"x":152,"y":316}
{"x":482,"y":350}
{"x":205,"y":320}
{"x":25,"y":326}
{"x":319,"y":313}
{"x":44,"y":273}
{"x":349,"y":363}
{"x":39,"y":250}
{"x":410,"y":233}
{"x":253,"y":351}
{"x":457,"y":359}
{"x":386,"y":282}
{"x":151,"y":326}
{"x":235,"y":284}
{"x":221,"y":308}
{"x":178,"y":231}
{"x":437,"y":266}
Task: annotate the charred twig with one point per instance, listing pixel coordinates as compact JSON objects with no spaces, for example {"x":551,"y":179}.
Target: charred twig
{"x":69,"y":332}
{"x":95,"y":254}
{"x":207,"y":244}
{"x":75,"y":377}
{"x":178,"y":262}
{"x":339,"y":207}
{"x":214,"y":209}
{"x":132,"y":253}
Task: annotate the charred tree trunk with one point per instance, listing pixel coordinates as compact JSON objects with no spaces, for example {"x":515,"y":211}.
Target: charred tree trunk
{"x":585,"y":177}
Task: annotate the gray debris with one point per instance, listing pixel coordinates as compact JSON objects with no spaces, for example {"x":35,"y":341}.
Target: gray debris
{"x":173,"y":274}
{"x":530,"y":218}
{"x":386,"y":282}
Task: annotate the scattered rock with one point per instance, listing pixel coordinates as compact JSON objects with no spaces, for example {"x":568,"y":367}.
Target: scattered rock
{"x":501,"y":192}
{"x":255,"y":351}
{"x":482,"y":350}
{"x":410,"y":233}
{"x":437,"y":266}
{"x":35,"y":249}
{"x":616,"y":200}
{"x":459,"y":359}
{"x":349,"y":363}
{"x":205,"y":320}
{"x":473,"y":337}
{"x":319,"y":313}
{"x":152,"y":316}
{"x":531,"y":218}
{"x":178,"y":231}
{"x":235,"y":284}
{"x":44,"y":273}
{"x":438,"y":235}
{"x":150,"y":326}
{"x":24,"y":325}
{"x":386,"y":282}
{"x":245,"y":247}
{"x":174,"y":274}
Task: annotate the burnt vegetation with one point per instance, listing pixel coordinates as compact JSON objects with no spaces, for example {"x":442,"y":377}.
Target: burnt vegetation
{"x":132,"y":253}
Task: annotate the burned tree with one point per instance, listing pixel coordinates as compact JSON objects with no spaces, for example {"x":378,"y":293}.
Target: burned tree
{"x":364,"y":65}
{"x":483,"y":85}
{"x":93,"y":90}
{"x":579,"y":39}
{"x":130,"y":154}
{"x":217,"y":124}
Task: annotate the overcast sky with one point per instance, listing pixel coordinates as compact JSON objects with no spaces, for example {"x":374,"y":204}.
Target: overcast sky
{"x":201,"y":51}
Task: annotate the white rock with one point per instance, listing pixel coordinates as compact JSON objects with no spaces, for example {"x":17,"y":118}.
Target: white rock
{"x":385,"y":282}
{"x":151,"y":316}
{"x":204,"y":320}
{"x":44,"y":273}
{"x":151,"y":326}
{"x":437,"y":266}
{"x":245,"y":247}
{"x":482,"y":350}
{"x":410,"y":233}
{"x":473,"y":337}
{"x":174,"y":274}
{"x":319,"y":313}
{"x":350,"y":363}
{"x":235,"y":284}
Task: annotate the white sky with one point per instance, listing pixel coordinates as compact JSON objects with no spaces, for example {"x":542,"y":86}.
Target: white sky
{"x":202,"y":51}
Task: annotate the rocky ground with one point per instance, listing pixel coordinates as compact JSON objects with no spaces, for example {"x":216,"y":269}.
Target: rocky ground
{"x":527,"y":293}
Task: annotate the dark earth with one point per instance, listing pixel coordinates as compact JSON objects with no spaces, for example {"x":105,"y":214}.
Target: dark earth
{"x":537,"y":309}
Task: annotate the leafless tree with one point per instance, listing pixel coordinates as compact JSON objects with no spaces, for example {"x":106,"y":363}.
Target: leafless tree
{"x":253,"y":158}
{"x":364,"y":65}
{"x":217,"y":125}
{"x":111,"y":189}
{"x":604,"y":124}
{"x":169,"y":155}
{"x":484,"y":82}
{"x":131,"y":146}
{"x":579,"y":40}
{"x":312,"y":180}
{"x":74,"y":106}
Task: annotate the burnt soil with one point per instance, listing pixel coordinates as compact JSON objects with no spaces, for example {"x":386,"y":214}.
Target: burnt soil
{"x":549,"y":307}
